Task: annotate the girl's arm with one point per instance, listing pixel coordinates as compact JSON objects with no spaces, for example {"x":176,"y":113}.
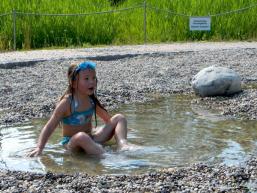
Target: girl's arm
{"x":49,"y":128}
{"x":103,"y":114}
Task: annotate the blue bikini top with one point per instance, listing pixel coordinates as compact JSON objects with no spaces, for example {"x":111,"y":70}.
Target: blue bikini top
{"x":79,"y":118}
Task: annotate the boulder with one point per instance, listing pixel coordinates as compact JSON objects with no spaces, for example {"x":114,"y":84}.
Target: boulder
{"x":216,"y":81}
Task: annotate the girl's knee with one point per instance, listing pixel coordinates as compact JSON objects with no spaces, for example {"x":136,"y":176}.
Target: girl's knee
{"x":81,"y":137}
{"x":119,"y":118}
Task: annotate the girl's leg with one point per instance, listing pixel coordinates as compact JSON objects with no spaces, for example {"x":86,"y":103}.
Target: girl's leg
{"x":117,"y":127}
{"x":84,"y":141}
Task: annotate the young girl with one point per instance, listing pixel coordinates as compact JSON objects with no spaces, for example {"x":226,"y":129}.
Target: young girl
{"x":75,"y":110}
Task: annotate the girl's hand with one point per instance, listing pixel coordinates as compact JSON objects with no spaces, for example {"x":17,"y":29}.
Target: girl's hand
{"x":35,"y":152}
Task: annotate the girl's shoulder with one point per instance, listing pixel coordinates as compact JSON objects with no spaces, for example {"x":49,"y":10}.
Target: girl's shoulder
{"x":66,"y":97}
{"x":64,"y":103}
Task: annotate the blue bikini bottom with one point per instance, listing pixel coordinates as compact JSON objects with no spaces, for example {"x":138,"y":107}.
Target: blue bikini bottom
{"x":65,"y":140}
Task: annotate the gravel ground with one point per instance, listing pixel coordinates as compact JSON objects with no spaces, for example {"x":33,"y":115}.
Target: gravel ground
{"x":32,"y":82}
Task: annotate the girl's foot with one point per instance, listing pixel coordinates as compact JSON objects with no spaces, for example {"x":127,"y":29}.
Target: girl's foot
{"x":128,"y":147}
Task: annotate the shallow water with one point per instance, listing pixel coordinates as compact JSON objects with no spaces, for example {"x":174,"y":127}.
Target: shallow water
{"x":170,"y":131}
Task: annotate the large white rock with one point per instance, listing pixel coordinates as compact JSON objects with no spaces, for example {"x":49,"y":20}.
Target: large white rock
{"x":214,"y":81}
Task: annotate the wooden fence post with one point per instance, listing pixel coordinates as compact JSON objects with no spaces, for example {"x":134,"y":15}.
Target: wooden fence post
{"x":14,"y":28}
{"x":145,"y":38}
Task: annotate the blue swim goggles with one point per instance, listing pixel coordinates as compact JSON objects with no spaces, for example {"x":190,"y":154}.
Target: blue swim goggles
{"x":84,"y":66}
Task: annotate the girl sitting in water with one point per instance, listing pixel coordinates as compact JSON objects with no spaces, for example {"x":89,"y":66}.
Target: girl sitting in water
{"x":75,"y":110}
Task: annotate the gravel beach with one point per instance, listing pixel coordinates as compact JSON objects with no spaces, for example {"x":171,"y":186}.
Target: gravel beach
{"x":31,"y":83}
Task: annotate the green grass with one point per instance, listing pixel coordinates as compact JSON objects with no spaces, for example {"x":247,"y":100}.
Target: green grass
{"x":125,"y":27}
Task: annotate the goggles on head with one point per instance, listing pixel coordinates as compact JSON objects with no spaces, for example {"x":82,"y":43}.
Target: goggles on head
{"x":85,"y":65}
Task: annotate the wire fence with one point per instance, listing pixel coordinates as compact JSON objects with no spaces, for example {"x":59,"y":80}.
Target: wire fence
{"x":80,"y":14}
{"x":16,"y":14}
{"x":5,"y":14}
{"x":235,"y":11}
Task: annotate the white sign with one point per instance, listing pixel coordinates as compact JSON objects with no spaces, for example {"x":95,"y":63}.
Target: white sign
{"x":200,"y":24}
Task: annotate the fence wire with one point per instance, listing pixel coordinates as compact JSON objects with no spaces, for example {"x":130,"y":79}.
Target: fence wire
{"x":167,"y":11}
{"x":235,"y":11}
{"x":81,"y":14}
{"x":212,"y":15}
{"x":136,"y":6}
{"x":5,"y":14}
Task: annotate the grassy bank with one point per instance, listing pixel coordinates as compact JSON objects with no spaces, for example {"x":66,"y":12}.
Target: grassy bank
{"x":124,"y":27}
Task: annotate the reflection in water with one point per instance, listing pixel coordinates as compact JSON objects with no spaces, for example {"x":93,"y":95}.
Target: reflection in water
{"x":233,"y":153}
{"x":171,"y":132}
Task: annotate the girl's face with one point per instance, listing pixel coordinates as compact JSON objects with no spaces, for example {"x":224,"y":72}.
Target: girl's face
{"x":85,"y":83}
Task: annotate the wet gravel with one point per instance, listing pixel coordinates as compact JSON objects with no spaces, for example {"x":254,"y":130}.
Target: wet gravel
{"x":197,"y":178}
{"x":30,"y":89}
